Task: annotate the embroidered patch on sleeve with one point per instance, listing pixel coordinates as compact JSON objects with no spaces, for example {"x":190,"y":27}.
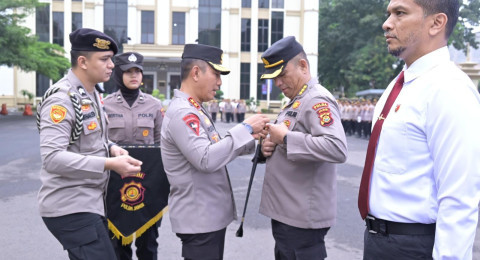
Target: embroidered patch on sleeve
{"x":319,"y":105}
{"x":326,"y":120}
{"x":57,"y":113}
{"x":193,"y":122}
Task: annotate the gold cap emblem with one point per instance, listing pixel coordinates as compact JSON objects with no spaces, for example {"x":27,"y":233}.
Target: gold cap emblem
{"x":102,"y":44}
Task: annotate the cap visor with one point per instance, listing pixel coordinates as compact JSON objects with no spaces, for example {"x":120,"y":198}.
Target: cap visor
{"x":126,"y":67}
{"x":217,"y":67}
{"x":272,"y":75}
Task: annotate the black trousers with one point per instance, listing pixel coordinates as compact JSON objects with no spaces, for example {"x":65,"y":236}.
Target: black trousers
{"x":203,"y":246}
{"x":229,"y":116}
{"x":214,"y":116}
{"x":146,"y":245}
{"x":292,"y":243}
{"x":83,"y":235}
{"x":397,"y":247}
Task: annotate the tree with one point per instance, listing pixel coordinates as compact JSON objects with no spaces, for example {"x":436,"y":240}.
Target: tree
{"x":352,"y":53}
{"x":18,"y":47}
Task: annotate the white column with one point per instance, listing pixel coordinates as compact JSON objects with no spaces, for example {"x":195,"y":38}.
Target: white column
{"x":310,"y":29}
{"x":95,"y":22}
{"x":254,"y":49}
{"x":67,"y":25}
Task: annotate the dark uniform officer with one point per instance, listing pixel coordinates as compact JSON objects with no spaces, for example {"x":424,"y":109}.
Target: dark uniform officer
{"x":134,"y":118}
{"x":74,"y":149}
{"x":195,"y":157}
{"x":299,"y":190}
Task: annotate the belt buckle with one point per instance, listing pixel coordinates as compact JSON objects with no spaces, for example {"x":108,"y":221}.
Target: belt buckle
{"x":369,"y":224}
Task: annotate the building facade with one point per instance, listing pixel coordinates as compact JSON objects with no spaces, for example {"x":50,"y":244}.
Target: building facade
{"x":159,"y":29}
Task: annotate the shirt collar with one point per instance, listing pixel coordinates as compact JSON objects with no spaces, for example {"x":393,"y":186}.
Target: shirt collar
{"x":426,"y":63}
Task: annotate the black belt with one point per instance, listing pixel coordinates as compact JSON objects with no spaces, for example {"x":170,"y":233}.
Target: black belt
{"x":376,"y":225}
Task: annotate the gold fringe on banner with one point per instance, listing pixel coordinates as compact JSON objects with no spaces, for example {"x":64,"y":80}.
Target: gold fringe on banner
{"x":126,"y":240}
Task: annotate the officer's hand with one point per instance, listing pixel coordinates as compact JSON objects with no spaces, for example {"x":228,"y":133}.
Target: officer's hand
{"x":116,"y":150}
{"x":261,"y":134}
{"x":257,"y":122}
{"x":267,"y":147}
{"x":277,"y":132}
{"x":124,"y":165}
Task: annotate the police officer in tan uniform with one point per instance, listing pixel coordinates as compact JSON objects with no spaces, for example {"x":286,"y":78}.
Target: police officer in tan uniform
{"x":195,"y":156}
{"x":134,"y":118}
{"x":305,"y":143}
{"x":75,"y":150}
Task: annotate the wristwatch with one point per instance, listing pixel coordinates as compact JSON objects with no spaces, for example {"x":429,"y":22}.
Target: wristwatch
{"x":249,"y":127}
{"x":285,"y":139}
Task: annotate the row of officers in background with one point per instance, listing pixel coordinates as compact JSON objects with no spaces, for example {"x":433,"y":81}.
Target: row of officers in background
{"x":229,"y":110}
{"x":357,"y":116}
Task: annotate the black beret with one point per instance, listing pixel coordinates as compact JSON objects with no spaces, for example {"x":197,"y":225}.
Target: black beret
{"x":212,"y":55}
{"x":85,"y":39}
{"x":129,"y":60}
{"x":277,"y":56}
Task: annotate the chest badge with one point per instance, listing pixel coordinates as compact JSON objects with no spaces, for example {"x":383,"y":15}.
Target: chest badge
{"x":57,"y":113}
{"x":287,"y":123}
{"x":92,"y":126}
{"x":296,"y":104}
{"x":85,"y":107}
{"x":145,"y":133}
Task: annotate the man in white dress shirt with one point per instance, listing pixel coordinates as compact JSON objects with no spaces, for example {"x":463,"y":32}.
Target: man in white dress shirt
{"x":425,"y":182}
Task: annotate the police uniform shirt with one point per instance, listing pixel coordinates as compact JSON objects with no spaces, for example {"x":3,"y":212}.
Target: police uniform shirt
{"x":194,"y":157}
{"x":73,"y":176}
{"x":138,"y":124}
{"x":426,"y":167}
{"x":300,"y":179}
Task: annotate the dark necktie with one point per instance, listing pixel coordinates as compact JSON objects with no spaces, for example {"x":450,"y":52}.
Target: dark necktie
{"x":363,"y":194}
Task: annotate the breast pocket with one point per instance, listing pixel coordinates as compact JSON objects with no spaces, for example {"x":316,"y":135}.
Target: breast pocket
{"x":116,"y":130}
{"x":145,"y":131}
{"x":92,"y":135}
{"x":391,"y":155}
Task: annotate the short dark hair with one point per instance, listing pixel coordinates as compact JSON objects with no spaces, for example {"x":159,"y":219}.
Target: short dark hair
{"x":187,"y":64}
{"x":448,"y":7}
{"x":75,"y":54}
{"x":299,"y":56}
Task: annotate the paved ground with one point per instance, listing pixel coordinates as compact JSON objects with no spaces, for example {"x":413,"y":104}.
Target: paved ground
{"x":24,"y":236}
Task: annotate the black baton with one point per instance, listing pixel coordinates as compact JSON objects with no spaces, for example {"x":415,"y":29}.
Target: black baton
{"x":252,"y":174}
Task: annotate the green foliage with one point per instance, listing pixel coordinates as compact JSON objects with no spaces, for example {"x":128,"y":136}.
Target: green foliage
{"x":20,"y":48}
{"x":156,"y":93}
{"x":352,"y":53}
{"x":25,"y":93}
{"x":219,"y":94}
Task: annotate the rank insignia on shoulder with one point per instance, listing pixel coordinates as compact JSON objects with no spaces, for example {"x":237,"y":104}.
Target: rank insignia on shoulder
{"x":287,"y":123}
{"x":319,"y":105}
{"x":326,"y":120}
{"x":194,"y":103}
{"x":92,"y":125}
{"x":145,"y":133}
{"x":57,"y":113}
{"x":296,"y":104}
{"x":193,"y":122}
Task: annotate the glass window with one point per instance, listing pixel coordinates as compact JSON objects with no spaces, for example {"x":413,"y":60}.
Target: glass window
{"x":57,"y":28}
{"x":148,"y":21}
{"x":178,"y":28}
{"x":262,"y":35}
{"x":245,"y":39}
{"x":115,"y":21}
{"x":263,"y":4}
{"x":245,"y":81}
{"x":42,"y":24}
{"x":277,"y":26}
{"x":277,"y":4}
{"x":247,"y":3}
{"x":77,"y":21}
{"x":209,"y":22}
